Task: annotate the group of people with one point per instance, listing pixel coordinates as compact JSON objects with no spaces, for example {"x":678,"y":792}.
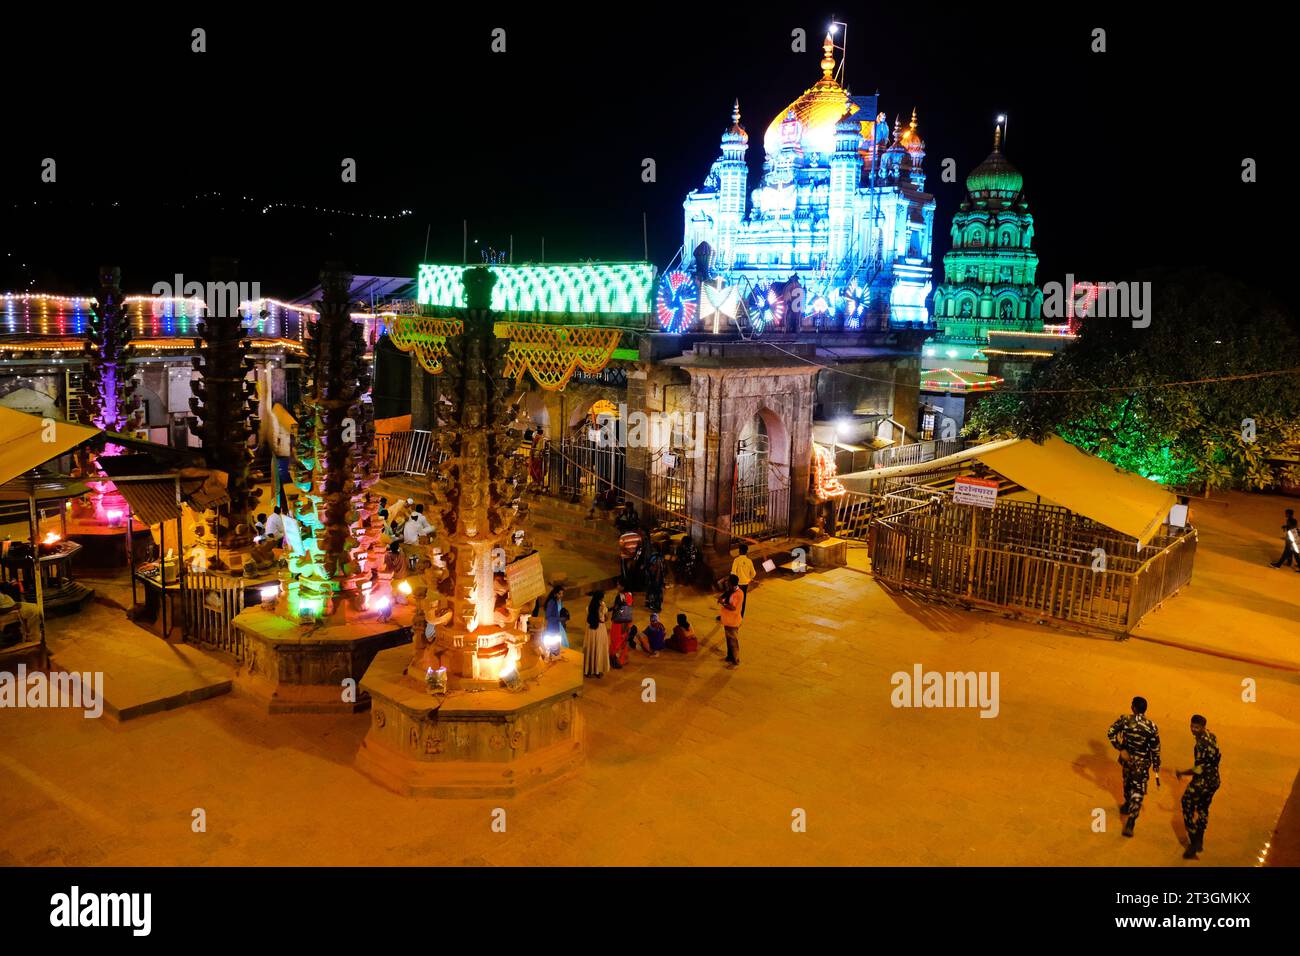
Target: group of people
{"x":611,"y":636}
{"x":270,"y":528}
{"x":1137,"y":739}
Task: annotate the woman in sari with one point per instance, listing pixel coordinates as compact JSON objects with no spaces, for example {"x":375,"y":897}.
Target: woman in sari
{"x":556,"y":618}
{"x":595,"y":648}
{"x":620,"y":628}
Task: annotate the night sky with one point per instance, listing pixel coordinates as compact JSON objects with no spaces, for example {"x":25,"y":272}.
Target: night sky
{"x":1131,"y":158}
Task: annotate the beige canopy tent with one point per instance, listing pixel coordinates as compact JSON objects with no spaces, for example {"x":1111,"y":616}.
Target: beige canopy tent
{"x":1064,"y":474}
{"x":28,"y":441}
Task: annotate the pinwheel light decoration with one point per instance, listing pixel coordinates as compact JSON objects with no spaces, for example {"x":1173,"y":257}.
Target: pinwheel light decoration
{"x":677,"y":301}
{"x":820,"y":310}
{"x":766,"y":308}
{"x":852,"y":306}
{"x":719,"y":307}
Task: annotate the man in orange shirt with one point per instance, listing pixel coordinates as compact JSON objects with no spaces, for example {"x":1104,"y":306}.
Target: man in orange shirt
{"x":732,"y":602}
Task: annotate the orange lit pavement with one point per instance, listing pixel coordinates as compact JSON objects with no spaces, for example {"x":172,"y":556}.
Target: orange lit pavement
{"x":712,"y":771}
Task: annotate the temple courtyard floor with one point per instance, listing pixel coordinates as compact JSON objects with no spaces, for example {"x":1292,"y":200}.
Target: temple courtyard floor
{"x":716,"y":769}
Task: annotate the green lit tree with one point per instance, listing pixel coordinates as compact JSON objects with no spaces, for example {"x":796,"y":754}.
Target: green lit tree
{"x":1110,"y":393}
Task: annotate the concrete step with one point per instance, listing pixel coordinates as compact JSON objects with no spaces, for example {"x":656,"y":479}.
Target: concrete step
{"x":143,"y":674}
{"x":574,"y":534}
{"x":780,"y":550}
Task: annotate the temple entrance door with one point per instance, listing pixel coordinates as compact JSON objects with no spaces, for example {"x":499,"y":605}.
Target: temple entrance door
{"x":760,"y":502}
{"x":669,"y":473}
{"x":592,"y":459}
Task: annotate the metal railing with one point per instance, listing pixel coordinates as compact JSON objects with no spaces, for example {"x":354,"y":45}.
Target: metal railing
{"x":404,"y":453}
{"x":1036,"y":559}
{"x":211,"y":603}
{"x":856,"y":511}
{"x":582,"y":468}
{"x":669,"y":488}
{"x":916,"y":452}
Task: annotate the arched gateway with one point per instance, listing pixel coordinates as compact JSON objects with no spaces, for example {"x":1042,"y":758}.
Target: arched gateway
{"x":760,"y":503}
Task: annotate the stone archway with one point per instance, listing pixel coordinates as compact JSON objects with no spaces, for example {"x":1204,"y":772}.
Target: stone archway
{"x":760,"y":504}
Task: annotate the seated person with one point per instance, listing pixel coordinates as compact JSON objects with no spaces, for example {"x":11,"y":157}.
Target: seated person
{"x":27,"y":615}
{"x":627,"y":519}
{"x":273,"y":526}
{"x":683,"y":636}
{"x":654,"y":638}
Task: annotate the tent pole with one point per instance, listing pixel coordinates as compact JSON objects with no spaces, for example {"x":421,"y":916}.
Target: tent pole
{"x":130,"y":555}
{"x":36,"y":563}
{"x":180,"y":559}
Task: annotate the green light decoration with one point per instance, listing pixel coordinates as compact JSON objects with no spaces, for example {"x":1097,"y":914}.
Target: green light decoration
{"x":611,"y":288}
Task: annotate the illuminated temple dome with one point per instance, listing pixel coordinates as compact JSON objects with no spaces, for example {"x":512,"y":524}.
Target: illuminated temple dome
{"x":841,"y":209}
{"x":995,"y":178}
{"x":809,"y":122}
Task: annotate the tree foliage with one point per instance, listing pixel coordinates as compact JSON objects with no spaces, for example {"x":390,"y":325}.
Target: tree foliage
{"x":1109,"y":392}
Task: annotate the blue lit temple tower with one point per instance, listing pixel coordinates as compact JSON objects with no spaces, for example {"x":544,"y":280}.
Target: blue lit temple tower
{"x":989,"y":273}
{"x":841,"y":205}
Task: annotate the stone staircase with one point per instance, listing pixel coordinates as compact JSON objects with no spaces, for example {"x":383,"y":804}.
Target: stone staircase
{"x":575,"y":542}
{"x":575,"y":527}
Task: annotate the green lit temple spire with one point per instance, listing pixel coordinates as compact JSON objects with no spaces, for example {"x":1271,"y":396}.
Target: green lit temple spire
{"x":989,"y":273}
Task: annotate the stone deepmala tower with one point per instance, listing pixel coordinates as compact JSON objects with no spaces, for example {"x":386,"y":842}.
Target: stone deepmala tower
{"x":109,"y":400}
{"x":338,"y":572}
{"x":474,"y":500}
{"x":479,"y":708}
{"x":223,"y":403}
{"x":311,"y":639}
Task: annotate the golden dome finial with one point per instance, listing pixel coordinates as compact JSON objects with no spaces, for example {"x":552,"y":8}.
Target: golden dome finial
{"x":997,"y":138}
{"x":828,"y":57}
{"x":735,"y":113}
{"x":913,"y":123}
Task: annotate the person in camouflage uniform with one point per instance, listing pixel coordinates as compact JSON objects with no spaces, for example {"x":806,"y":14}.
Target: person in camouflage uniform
{"x":1199,"y":793}
{"x":1138,"y":741}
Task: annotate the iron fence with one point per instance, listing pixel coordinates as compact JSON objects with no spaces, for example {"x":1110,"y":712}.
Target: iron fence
{"x":211,"y":602}
{"x":1037,"y":559}
{"x":583,"y":468}
{"x":404,"y":453}
{"x":916,"y":452}
{"x":669,"y":478}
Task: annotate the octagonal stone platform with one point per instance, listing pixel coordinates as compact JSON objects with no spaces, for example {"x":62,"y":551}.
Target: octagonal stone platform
{"x":492,"y":743}
{"x":291,"y":668}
